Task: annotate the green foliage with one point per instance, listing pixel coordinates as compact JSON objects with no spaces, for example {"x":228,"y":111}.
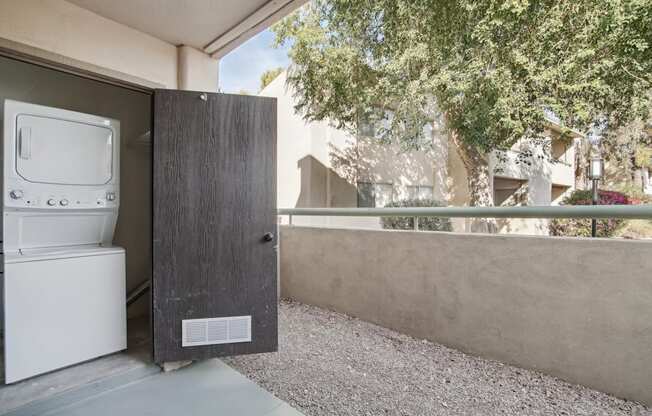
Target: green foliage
{"x":581,"y":227}
{"x":629,"y":147}
{"x":269,"y":76}
{"x":425,"y":223}
{"x":491,"y":67}
{"x":643,"y":157}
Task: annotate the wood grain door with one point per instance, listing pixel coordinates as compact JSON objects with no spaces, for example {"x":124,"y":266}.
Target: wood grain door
{"x":214,"y":222}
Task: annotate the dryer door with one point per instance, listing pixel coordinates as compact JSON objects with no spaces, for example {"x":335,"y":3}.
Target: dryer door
{"x":56,"y":151}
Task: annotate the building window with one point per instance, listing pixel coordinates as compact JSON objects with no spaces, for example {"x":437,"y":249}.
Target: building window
{"x":367,"y":128}
{"x":374,"y":195}
{"x":420,"y":192}
{"x":373,"y":123}
{"x":510,"y":192}
{"x":559,"y":150}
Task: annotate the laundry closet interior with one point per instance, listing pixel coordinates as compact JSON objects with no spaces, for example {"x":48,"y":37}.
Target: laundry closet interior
{"x":63,"y":175}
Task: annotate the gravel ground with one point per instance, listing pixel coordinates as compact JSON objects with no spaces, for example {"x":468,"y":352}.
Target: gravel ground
{"x":331,"y":364}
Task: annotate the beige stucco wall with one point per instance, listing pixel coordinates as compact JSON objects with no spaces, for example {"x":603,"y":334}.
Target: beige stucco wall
{"x":319,"y":165}
{"x":196,"y":70}
{"x":62,"y":28}
{"x":562,"y":306}
{"x":458,"y":188}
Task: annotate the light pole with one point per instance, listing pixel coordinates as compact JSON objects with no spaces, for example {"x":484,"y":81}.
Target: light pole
{"x":596,"y":168}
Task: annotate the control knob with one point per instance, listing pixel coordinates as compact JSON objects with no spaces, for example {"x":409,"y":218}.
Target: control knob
{"x":52,"y":202}
{"x":16,"y":194}
{"x":63,"y":202}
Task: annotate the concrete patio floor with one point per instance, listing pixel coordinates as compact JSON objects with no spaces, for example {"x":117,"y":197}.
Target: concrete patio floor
{"x":331,"y":364}
{"x":128,"y":383}
{"x":207,"y":388}
{"x":69,"y":384}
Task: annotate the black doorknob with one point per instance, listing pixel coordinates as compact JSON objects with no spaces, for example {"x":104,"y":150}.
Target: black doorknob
{"x":268,"y":237}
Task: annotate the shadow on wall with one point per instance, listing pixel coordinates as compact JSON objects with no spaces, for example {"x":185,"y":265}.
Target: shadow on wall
{"x":322,"y":187}
{"x":367,"y":160}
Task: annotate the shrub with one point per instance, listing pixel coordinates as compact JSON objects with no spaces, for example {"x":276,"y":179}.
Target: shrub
{"x":425,"y":223}
{"x":581,"y":227}
{"x":585,"y":197}
{"x":635,"y":194}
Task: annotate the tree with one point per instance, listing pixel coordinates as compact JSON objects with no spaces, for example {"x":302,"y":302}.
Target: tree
{"x":628,"y":150}
{"x":492,"y":68}
{"x":269,"y":76}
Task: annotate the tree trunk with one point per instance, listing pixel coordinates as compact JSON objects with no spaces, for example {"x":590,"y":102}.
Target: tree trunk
{"x":479,"y":183}
{"x":581,"y":168}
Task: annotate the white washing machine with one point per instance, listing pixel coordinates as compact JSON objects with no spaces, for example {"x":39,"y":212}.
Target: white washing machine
{"x":64,"y":283}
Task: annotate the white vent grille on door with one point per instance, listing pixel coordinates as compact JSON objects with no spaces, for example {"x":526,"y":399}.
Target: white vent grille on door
{"x":211,"y":331}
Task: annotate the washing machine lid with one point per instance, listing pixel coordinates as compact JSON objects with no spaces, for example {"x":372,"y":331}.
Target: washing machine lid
{"x":58,"y":151}
{"x":35,"y":229}
{"x":37,"y":254}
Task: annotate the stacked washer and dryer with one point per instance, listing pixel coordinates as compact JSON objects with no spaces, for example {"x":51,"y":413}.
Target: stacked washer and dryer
{"x":64,"y":282}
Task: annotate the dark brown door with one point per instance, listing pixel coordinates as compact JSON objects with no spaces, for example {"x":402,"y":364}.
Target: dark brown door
{"x":214,"y":225}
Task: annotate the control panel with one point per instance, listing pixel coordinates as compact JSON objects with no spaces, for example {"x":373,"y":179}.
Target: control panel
{"x":76,"y":199}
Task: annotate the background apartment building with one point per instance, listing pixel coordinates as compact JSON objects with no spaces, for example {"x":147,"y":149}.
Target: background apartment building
{"x":322,"y":166}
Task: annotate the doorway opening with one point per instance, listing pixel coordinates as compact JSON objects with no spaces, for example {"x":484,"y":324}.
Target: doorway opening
{"x":30,"y":83}
{"x":509,"y":191}
{"x":195,"y":213}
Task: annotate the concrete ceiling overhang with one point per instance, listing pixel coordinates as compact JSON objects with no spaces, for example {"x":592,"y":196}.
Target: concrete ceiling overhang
{"x":213,"y":26}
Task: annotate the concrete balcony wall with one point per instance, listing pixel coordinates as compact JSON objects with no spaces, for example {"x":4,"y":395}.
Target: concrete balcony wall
{"x":562,"y":174}
{"x":578,"y":309}
{"x":509,"y":168}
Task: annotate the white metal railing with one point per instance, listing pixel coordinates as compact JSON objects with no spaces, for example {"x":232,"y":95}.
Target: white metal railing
{"x":576,"y":211}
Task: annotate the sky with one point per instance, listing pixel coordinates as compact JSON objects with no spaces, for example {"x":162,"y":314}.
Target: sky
{"x":241,"y":68}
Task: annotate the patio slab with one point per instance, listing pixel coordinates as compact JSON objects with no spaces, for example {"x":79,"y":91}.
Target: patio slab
{"x":37,"y":394}
{"x":128,"y":383}
{"x":206,"y":388}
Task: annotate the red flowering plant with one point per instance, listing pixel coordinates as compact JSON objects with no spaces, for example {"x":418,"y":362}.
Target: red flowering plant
{"x":581,"y":227}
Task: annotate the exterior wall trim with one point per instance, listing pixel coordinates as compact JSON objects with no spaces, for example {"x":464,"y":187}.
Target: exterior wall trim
{"x":270,"y":12}
{"x":41,"y":57}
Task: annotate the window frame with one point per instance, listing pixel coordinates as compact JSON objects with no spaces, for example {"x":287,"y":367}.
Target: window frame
{"x":418,"y":189}
{"x":374,"y":193}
